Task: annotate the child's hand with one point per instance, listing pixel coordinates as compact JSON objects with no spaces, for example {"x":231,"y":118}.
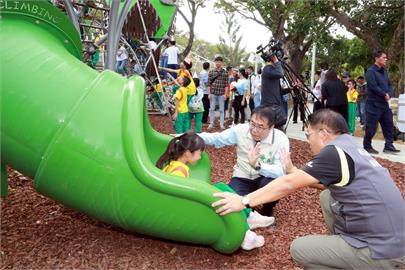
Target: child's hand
{"x":174,"y":135}
{"x":174,"y":116}
{"x":285,"y":159}
{"x":253,"y":155}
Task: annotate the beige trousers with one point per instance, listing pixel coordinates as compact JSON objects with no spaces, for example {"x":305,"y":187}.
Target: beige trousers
{"x":332,"y":252}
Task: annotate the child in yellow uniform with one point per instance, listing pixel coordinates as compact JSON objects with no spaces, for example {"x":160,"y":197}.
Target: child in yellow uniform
{"x":352,"y":95}
{"x":184,"y":71}
{"x":186,"y":149}
{"x":157,"y":95}
{"x":181,"y":117}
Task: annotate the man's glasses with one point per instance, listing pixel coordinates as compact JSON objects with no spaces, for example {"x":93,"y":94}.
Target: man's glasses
{"x":253,"y":125}
{"x":308,"y":134}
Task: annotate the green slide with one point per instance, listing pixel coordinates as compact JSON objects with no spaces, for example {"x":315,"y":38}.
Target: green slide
{"x":86,"y":140}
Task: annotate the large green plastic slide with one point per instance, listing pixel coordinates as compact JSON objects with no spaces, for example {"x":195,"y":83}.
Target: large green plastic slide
{"x":86,"y":140}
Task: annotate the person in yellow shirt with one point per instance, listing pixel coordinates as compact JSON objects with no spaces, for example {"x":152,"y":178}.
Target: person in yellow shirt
{"x":184,"y":71}
{"x":180,"y":115}
{"x":186,"y":149}
{"x":157,"y":95}
{"x":352,"y":95}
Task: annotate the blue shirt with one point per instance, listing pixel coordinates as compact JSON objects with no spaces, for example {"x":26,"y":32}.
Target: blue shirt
{"x":241,"y":86}
{"x":229,"y":136}
{"x":378,"y":84}
{"x":203,"y":76}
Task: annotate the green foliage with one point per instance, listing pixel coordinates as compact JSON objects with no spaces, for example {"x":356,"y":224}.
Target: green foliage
{"x":358,"y":71}
{"x":341,"y":54}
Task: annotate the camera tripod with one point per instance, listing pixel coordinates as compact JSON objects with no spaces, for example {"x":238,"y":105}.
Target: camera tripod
{"x":299,"y":92}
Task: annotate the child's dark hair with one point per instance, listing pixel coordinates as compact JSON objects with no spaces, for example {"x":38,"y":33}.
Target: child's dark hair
{"x":178,"y":146}
{"x":196,"y":82}
{"x":353,"y":82}
{"x":243,"y":72}
{"x":188,"y":65}
{"x":186,"y":81}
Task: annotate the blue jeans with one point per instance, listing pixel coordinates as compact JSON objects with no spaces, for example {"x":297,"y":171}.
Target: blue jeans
{"x":284,"y":103}
{"x":120,"y":67}
{"x":362,"y":111}
{"x":173,"y":66}
{"x":244,"y":186}
{"x":213,"y":102}
{"x":257,"y":99}
{"x":163,"y":63}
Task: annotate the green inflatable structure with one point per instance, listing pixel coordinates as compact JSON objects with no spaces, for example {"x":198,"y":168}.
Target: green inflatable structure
{"x":86,"y":140}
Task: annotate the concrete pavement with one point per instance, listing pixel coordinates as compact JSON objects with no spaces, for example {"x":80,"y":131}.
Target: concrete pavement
{"x":295,"y":131}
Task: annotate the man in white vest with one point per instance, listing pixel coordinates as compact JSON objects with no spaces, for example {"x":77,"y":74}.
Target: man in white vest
{"x":259,"y":146}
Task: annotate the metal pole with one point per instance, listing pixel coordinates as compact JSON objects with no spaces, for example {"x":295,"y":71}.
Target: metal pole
{"x":72,"y":14}
{"x":123,"y":16}
{"x":313,"y":64}
{"x":153,"y":59}
{"x":112,"y":33}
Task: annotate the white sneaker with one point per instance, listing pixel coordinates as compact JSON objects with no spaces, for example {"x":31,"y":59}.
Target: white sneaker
{"x":252,"y":241}
{"x":255,"y":220}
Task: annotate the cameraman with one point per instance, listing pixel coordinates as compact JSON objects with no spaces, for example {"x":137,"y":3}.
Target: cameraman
{"x":271,"y":91}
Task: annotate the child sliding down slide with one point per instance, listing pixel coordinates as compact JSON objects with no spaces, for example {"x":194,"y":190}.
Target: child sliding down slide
{"x":187,"y":149}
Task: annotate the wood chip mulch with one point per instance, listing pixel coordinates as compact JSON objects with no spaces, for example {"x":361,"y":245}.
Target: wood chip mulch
{"x":38,"y":233}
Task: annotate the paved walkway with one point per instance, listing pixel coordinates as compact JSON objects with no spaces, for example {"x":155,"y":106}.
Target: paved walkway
{"x":295,"y":131}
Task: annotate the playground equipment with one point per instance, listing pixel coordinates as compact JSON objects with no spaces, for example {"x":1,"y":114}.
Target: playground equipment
{"x":86,"y":140}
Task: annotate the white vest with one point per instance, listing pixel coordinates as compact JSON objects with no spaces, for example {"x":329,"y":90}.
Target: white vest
{"x":275,"y":141}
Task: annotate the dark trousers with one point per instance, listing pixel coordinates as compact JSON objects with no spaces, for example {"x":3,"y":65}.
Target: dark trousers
{"x":226,"y":106}
{"x":375,"y":115}
{"x":244,"y":186}
{"x":342,"y":109}
{"x":239,"y":109}
{"x":173,"y":66}
{"x":317,"y":106}
{"x":206,"y":104}
{"x":297,"y":105}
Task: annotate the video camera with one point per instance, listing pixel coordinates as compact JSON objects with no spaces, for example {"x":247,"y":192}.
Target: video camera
{"x":274,"y":47}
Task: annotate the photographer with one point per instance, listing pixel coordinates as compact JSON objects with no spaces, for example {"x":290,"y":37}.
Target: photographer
{"x":272,"y":73}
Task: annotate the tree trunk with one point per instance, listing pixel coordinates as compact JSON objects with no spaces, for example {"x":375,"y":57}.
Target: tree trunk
{"x":397,"y":42}
{"x":396,"y":55}
{"x":193,"y":7}
{"x":356,"y":28}
{"x":295,"y":48}
{"x":190,"y":42}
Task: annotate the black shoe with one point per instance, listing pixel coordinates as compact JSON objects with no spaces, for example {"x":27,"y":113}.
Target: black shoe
{"x":371,"y":150}
{"x":391,"y":150}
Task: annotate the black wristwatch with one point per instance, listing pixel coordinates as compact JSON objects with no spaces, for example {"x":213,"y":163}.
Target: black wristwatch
{"x":258,"y":166}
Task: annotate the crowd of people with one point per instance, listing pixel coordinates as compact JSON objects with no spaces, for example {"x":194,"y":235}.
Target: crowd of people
{"x":366,"y":100}
{"x":365,"y":215}
{"x":234,"y":93}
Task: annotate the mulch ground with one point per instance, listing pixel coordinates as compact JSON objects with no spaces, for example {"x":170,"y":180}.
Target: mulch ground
{"x":37,"y":233}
